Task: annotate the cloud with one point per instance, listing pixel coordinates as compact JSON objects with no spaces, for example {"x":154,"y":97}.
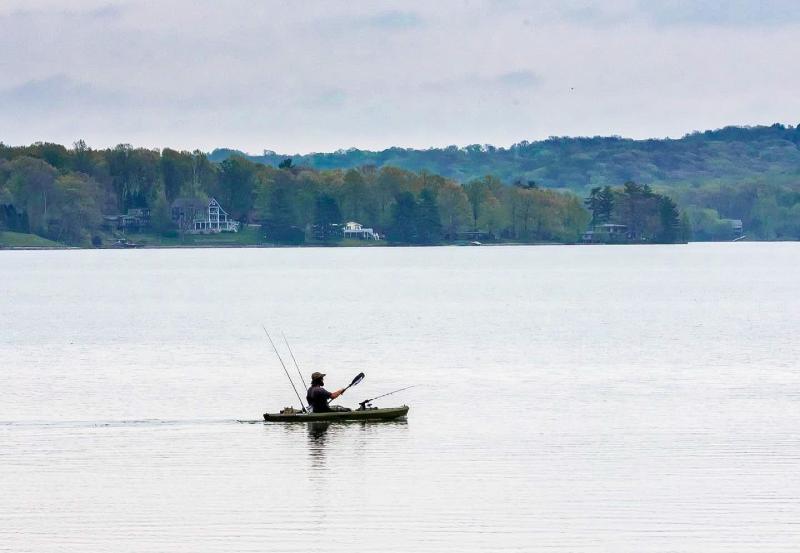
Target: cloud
{"x":388,"y":20}
{"x":393,"y":20}
{"x":661,"y":13}
{"x":329,"y":98}
{"x":747,"y":13}
{"x":518,"y":79}
{"x":389,"y":72}
{"x":93,"y":12}
{"x":504,"y":82}
{"x":56,"y":92}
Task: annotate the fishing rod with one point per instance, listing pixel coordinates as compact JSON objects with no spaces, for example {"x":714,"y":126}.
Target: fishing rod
{"x":364,"y":403}
{"x":302,"y":404}
{"x":295,"y":361}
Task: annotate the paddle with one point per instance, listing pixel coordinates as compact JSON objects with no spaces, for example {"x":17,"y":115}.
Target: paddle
{"x":357,"y":380}
{"x":359,"y":377}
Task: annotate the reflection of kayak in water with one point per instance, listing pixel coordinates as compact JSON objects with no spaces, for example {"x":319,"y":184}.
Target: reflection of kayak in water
{"x":357,"y":415}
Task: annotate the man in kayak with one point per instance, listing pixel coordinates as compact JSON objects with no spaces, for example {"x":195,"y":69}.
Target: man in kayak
{"x":317,"y":396}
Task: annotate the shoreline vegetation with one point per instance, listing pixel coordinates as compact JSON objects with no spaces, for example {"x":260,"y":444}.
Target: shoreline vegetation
{"x":55,"y":196}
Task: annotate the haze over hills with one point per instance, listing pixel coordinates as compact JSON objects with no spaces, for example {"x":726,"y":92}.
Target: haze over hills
{"x":727,"y":156}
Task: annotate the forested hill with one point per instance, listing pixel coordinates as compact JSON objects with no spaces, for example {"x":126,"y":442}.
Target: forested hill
{"x":728,"y":155}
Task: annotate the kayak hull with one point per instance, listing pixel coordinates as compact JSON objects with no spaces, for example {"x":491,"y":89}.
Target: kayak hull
{"x":358,"y":415}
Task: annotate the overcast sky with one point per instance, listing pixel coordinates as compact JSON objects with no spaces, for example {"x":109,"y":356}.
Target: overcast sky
{"x":301,"y":76}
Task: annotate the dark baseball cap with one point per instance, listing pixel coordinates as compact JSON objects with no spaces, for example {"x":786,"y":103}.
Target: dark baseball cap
{"x":317,"y":375}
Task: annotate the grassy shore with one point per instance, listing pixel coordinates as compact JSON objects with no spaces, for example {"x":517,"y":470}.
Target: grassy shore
{"x":246,"y":237}
{"x":20,"y":240}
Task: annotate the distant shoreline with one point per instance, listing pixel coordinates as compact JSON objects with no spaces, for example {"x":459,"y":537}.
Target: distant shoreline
{"x":320,"y":246}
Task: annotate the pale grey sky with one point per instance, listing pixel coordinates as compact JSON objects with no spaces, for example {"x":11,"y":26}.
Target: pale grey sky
{"x":300,"y":76}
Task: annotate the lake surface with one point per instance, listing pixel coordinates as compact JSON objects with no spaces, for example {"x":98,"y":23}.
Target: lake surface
{"x":569,"y":399}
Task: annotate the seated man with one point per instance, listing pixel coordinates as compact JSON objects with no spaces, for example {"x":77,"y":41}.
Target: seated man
{"x":318,"y":397}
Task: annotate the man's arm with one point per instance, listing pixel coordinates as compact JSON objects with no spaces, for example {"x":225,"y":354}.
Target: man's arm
{"x":337,"y":393}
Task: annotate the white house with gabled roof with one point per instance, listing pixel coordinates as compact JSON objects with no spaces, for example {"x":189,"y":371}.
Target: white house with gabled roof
{"x":213,"y":219}
{"x":356,"y":230}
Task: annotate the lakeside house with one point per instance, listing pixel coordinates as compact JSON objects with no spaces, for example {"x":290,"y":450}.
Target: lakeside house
{"x":607,"y":232}
{"x":472,"y":236}
{"x":137,"y":219}
{"x":736,"y":226}
{"x":197,"y":216}
{"x":356,"y":230}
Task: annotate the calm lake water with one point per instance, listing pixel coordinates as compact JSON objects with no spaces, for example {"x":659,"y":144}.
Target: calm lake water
{"x":569,"y":399}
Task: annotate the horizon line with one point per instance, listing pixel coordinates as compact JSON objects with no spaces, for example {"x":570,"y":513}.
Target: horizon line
{"x":267,"y":151}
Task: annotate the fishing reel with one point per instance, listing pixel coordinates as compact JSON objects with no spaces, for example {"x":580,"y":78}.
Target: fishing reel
{"x":367,"y":403}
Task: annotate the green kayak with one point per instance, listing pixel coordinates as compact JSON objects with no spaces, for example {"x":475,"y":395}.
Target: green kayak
{"x":373,"y":414}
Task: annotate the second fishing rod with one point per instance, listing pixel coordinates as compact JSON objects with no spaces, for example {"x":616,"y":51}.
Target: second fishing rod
{"x":302,"y":403}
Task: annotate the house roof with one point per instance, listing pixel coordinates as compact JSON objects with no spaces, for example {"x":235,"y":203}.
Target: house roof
{"x":184,"y":203}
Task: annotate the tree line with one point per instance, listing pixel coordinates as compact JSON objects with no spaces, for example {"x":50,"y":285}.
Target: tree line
{"x":731,"y":154}
{"x":750,"y":174}
{"x":62,"y":193}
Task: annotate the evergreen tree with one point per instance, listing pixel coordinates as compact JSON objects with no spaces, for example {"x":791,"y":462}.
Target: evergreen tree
{"x":404,"y":219}
{"x":327,"y":218}
{"x":592,"y":203}
{"x":429,"y":223}
{"x":605,"y":205}
{"x":686,"y":228}
{"x":280,"y":226}
{"x":670,"y":221}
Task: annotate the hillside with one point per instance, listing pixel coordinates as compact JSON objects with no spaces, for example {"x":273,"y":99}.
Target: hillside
{"x":731,"y":154}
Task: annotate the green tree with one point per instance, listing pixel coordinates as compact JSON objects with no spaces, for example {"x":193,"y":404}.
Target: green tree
{"x":31,"y":183}
{"x":75,"y":212}
{"x":176,"y":172}
{"x":685,"y":234}
{"x":429,"y":223}
{"x":479,"y":192}
{"x":493,"y":217}
{"x":454,"y":209}
{"x":237,"y":187}
{"x":524,"y":213}
{"x":354,"y":196}
{"x":605,"y":206}
{"x":404,"y":219}
{"x":592,"y":203}
{"x":327,"y":218}
{"x":670,"y":221}
{"x":389,"y":183}
{"x":135,"y":175}
{"x":160,"y":217}
{"x":82,"y":161}
{"x":281,"y":223}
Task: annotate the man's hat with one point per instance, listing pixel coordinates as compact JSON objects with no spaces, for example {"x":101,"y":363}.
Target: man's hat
{"x":316,"y":375}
